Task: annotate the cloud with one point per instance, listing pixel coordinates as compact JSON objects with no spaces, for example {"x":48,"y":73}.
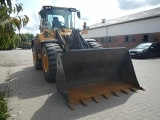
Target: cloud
{"x":33,"y":24}
{"x":153,"y":2}
{"x":85,"y":18}
{"x":134,"y":4}
{"x":91,"y":11}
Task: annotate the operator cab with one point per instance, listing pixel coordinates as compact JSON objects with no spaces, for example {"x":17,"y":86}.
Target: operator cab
{"x":57,"y":17}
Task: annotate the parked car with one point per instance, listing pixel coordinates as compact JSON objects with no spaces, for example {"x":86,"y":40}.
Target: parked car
{"x":26,"y":44}
{"x":150,"y":49}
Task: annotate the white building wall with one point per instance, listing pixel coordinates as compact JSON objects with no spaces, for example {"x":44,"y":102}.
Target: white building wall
{"x":136,"y":27}
{"x":99,"y":32}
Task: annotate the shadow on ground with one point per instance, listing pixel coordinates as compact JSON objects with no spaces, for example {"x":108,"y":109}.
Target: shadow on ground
{"x":27,"y":83}
{"x":55,"y":108}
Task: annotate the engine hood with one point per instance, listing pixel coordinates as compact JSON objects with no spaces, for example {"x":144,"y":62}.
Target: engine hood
{"x":136,"y":50}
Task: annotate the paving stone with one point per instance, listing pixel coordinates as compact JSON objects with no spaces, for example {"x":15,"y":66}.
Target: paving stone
{"x":32,"y":98}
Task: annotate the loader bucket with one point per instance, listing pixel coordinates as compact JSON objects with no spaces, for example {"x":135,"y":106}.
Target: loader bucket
{"x":85,"y":75}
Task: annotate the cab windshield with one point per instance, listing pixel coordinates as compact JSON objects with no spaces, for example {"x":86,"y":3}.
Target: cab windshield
{"x":60,"y":18}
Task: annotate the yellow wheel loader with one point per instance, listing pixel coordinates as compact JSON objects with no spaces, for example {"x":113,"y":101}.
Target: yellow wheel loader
{"x":82,"y":69}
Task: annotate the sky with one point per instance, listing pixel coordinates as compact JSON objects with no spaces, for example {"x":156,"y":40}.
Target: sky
{"x":92,"y":11}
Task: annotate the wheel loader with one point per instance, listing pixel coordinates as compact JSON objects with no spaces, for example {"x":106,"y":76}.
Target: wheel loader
{"x":82,"y":69}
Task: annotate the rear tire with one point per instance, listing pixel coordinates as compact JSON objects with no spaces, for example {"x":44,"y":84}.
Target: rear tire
{"x":49,"y":61}
{"x":37,"y":63}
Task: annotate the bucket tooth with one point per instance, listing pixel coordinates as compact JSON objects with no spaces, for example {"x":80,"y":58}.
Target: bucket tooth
{"x":123,"y":91}
{"x":95,"y":100}
{"x":71,"y":106}
{"x":132,"y":89}
{"x":83,"y":103}
{"x":105,"y":96}
{"x":115,"y":94}
{"x":142,"y":88}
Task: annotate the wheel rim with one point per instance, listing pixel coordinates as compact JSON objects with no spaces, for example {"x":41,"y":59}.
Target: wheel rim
{"x":34,"y":57}
{"x":45,"y":62}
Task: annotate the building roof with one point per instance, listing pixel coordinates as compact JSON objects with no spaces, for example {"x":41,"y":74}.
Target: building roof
{"x":128,"y":18}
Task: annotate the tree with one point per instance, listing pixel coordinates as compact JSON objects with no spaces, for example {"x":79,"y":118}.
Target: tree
{"x":37,"y":35}
{"x":7,"y":40}
{"x":17,"y":40}
{"x":9,"y":24}
{"x":7,"y":21}
{"x":30,"y":36}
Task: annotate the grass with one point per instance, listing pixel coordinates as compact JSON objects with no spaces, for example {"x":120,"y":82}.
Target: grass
{"x":3,"y":107}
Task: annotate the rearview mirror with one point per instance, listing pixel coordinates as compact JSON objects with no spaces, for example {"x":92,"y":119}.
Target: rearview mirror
{"x":78,"y":14}
{"x":42,"y":13}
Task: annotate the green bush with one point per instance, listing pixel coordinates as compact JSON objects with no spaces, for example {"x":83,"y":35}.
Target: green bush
{"x":9,"y":41}
{"x":3,"y":107}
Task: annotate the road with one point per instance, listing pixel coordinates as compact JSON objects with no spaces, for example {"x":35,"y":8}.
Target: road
{"x":30,"y":97}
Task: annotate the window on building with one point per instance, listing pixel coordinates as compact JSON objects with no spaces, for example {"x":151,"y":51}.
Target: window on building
{"x":104,"y":39}
{"x":110,"y":39}
{"x":149,"y":38}
{"x":126,"y":38}
{"x":145,"y":38}
{"x":129,"y":38}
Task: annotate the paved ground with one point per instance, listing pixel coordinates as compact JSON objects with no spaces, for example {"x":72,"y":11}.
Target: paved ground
{"x":32,"y":98}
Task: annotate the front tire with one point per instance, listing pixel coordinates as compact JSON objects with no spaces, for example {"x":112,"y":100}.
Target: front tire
{"x":49,"y":61}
